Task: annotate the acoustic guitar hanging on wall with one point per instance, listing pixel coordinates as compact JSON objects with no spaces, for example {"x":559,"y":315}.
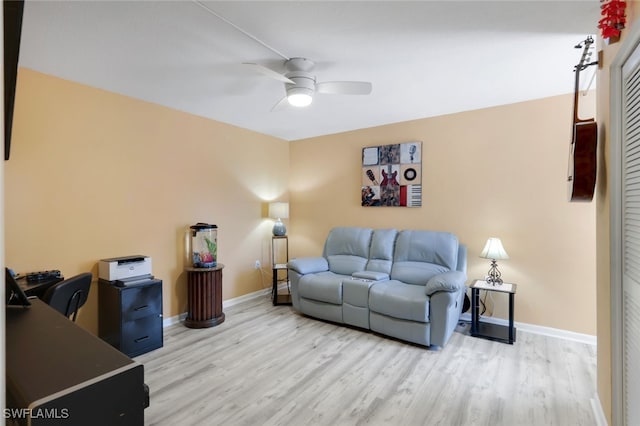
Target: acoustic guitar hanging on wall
{"x":583,"y":154}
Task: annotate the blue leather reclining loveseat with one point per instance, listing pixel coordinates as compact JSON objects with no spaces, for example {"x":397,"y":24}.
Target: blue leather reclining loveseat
{"x":406,"y":284}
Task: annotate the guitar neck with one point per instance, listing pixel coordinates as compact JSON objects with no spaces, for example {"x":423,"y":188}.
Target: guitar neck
{"x":581,"y":66}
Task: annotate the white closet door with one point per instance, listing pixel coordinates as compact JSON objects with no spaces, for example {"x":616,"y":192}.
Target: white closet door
{"x":630,"y":198}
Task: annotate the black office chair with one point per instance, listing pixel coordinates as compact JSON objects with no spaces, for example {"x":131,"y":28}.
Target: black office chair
{"x":69,"y":295}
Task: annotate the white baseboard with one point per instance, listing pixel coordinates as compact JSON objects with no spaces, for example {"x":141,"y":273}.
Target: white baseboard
{"x":173,"y":320}
{"x":530,"y":328}
{"x":538,"y":329}
{"x":598,"y":413}
{"x":230,"y":302}
{"x":225,"y":304}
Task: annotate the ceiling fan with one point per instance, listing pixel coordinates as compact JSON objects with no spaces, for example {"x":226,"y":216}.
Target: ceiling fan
{"x":301,"y":85}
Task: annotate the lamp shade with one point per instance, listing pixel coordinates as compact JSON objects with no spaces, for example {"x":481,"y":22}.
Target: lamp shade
{"x":300,"y":92}
{"x":279,"y":210}
{"x":494,"y":250}
{"x":299,"y":99}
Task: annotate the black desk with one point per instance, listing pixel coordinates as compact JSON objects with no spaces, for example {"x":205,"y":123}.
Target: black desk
{"x":37,"y":289}
{"x":60,"y":373}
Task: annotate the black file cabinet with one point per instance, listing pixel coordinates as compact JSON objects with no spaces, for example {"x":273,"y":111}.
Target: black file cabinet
{"x":130,"y":318}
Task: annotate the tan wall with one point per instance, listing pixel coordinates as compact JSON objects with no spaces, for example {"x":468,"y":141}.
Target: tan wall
{"x":94,"y":175}
{"x":493,"y":172}
{"x":609,"y":52}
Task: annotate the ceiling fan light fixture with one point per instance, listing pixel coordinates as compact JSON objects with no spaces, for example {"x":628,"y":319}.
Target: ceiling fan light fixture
{"x":300,"y":91}
{"x":299,"y":97}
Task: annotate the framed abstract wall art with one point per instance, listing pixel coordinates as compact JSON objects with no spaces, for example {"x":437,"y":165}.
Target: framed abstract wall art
{"x":392,"y":175}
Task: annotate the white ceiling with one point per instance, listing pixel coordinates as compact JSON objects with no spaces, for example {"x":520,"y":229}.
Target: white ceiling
{"x":424,"y":58}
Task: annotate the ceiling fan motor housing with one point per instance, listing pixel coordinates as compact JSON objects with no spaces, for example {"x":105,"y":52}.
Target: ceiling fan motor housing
{"x":303,"y":83}
{"x":303,"y":86}
{"x":299,"y":64}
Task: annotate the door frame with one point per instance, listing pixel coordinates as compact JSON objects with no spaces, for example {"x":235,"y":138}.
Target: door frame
{"x":627,"y":48}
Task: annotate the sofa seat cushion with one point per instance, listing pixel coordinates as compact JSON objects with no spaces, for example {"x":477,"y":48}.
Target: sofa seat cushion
{"x":399,"y":300}
{"x":323,"y":287}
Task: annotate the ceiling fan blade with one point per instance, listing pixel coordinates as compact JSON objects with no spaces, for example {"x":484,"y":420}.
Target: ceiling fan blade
{"x":282,"y":103}
{"x":344,"y":87}
{"x":268,"y":72}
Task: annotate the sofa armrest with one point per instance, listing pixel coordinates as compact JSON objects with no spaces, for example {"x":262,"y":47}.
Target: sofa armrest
{"x":308,"y":265}
{"x":371,"y":275}
{"x":445,"y":308}
{"x":448,"y":281}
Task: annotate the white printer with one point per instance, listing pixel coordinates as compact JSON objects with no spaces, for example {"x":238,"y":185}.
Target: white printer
{"x":124,"y":268}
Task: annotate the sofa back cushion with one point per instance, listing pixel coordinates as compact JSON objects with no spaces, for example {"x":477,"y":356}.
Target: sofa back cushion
{"x":419,"y":255}
{"x":347,"y":249}
{"x":381,"y":250}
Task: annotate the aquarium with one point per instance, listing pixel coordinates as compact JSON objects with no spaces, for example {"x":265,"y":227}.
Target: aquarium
{"x":203,"y":245}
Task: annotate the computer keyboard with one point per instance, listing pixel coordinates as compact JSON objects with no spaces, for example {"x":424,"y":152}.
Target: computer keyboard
{"x":33,"y":277}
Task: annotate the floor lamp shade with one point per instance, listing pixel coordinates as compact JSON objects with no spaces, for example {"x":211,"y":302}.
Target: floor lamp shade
{"x":279,"y":211}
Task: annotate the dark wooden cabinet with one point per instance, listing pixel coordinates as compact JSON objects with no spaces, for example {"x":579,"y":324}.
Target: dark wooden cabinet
{"x":204,"y":297}
{"x":130,"y":318}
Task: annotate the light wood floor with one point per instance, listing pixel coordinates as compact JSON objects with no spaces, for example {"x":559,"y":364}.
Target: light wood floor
{"x":268,"y":365}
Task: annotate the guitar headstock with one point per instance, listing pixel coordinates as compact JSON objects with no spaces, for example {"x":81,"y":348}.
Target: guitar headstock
{"x":585,"y":45}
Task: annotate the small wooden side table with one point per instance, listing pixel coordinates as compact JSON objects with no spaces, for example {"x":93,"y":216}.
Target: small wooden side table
{"x":204,"y":297}
{"x":497,"y":332}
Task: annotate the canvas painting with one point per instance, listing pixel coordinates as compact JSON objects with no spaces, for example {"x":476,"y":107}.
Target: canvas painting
{"x":392,"y":175}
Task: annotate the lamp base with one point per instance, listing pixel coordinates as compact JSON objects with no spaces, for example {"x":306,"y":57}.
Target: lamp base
{"x":494,"y":275}
{"x":279,"y":230}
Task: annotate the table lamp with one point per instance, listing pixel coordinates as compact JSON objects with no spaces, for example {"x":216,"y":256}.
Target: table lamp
{"x":493,"y":250}
{"x":279,"y":211}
